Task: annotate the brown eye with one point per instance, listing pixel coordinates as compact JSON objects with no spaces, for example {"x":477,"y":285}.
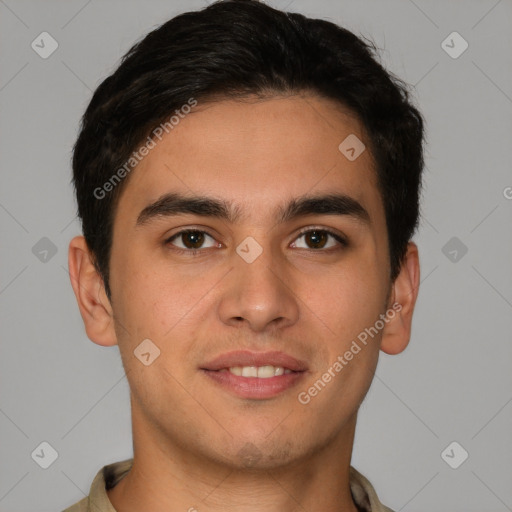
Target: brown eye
{"x":319,"y":239}
{"x":190,"y":239}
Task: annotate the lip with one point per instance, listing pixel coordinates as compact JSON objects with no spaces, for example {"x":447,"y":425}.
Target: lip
{"x":254,"y":387}
{"x":248,"y":358}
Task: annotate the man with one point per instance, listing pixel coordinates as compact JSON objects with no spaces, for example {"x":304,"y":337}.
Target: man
{"x":248,"y":183}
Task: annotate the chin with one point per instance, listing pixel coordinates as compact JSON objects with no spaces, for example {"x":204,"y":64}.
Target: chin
{"x":261,"y":454}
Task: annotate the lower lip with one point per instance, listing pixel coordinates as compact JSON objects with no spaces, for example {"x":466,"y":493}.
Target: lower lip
{"x":253,"y":387}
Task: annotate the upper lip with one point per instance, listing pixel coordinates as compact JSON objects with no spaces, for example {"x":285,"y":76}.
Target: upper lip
{"x":248,"y":358}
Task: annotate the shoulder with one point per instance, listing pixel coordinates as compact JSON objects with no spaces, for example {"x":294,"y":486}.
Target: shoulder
{"x":81,"y":506}
{"x":364,"y":493}
{"x":106,"y":478}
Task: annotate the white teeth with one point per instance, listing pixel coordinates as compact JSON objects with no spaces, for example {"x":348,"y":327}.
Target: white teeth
{"x":249,"y":371}
{"x":262,"y":372}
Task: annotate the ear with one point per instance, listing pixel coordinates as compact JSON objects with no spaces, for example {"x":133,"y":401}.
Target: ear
{"x":90,"y":294}
{"x":397,"y":331}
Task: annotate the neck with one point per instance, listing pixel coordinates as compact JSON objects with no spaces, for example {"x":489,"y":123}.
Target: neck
{"x":164,"y":477}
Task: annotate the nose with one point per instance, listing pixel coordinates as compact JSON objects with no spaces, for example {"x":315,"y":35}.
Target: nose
{"x":258,"y":294}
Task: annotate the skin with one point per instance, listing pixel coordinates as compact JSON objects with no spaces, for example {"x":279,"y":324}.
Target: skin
{"x":189,"y":434}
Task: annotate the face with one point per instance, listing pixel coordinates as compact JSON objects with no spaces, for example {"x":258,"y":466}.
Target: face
{"x":253,"y":282}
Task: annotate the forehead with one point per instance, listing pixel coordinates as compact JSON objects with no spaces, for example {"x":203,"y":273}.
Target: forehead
{"x":254,"y":153}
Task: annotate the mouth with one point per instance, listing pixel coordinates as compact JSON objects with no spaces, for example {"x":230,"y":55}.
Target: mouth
{"x":256,"y":375}
{"x":261,"y":372}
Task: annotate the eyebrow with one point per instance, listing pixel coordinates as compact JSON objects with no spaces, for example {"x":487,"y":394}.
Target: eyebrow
{"x":173,"y":204}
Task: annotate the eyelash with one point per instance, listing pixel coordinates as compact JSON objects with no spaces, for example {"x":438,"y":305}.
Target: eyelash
{"x":195,"y":252}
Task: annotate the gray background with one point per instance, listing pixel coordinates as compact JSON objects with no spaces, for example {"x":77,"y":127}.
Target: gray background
{"x":453,"y":383}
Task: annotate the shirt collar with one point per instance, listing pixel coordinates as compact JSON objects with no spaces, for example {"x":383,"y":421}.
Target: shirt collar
{"x":363,"y":493}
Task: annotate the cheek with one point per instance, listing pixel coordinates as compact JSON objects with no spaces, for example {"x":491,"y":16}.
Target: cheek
{"x":137,"y":304}
{"x":348,"y":298}
{"x":349,"y":303}
{"x":160,"y":302}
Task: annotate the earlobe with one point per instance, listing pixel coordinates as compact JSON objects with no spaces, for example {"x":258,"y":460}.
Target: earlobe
{"x":89,"y":289}
{"x":397,"y":333}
